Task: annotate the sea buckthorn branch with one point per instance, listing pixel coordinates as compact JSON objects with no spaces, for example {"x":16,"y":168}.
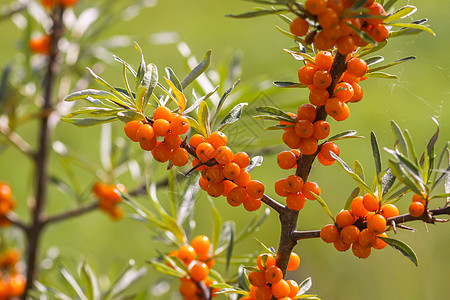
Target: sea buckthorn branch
{"x":14,"y":219}
{"x":16,"y":140}
{"x":70,"y":213}
{"x":401,"y":219}
{"x":42,"y":155}
{"x":275,"y":205}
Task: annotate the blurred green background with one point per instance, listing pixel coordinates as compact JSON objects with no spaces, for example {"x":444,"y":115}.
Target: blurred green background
{"x":422,"y":92}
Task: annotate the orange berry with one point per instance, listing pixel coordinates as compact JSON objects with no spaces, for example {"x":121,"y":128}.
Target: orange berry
{"x":360,"y":251}
{"x":308,"y":146}
{"x":328,"y":18}
{"x":349,"y":234}
{"x":321,"y":130}
{"x":161,"y":152}
{"x":291,"y":138}
{"x":295,"y":201}
{"x":322,"y":42}
{"x":205,"y":151}
{"x":198,"y":271}
{"x":318,"y":97}
{"x":280,"y":289}
{"x":334,"y":107}
{"x":257,"y":278}
{"x":243,"y":179}
{"x":48,"y":3}
{"x":6,"y":191}
{"x":251,"y":204}
{"x":358,"y":208}
{"x":380,"y":244}
{"x":357,"y":66}
{"x":304,"y":128}
{"x":334,"y":31}
{"x":228,"y":186}
{"x":179,"y":157}
{"x":216,"y":189}
{"x":309,"y":187}
{"x":224,"y":155}
{"x":201,"y":244}
{"x":341,"y":246}
{"x":329,"y":233}
{"x":255,"y":189}
{"x":231,"y":171}
{"x":420,"y":198}
{"x":164,"y":113}
{"x":242,"y":159}
{"x":144,"y":132}
{"x":315,"y":7}
{"x":336,"y":5}
{"x":376,"y":224}
{"x":344,"y":114}
{"x":217,"y":139}
{"x":131,"y":129}
{"x":265,"y":260}
{"x":203,"y":183}
{"x":294,"y":262}
{"x":187,"y":254}
{"x":306,"y":112}
{"x":263,"y":292}
{"x":345,"y":44}
{"x":294,"y":184}
{"x":306,"y":74}
{"x":280,"y":187}
{"x":286,"y":160}
{"x":180,"y":125}
{"x":416,"y":209}
{"x":172,"y":140}
{"x":367,"y":238}
{"x":196,"y":140}
{"x":389,"y":211}
{"x":68,"y":3}
{"x":161,"y":127}
{"x":299,"y":26}
{"x":376,"y":9}
{"x":148,"y":145}
{"x":343,"y":91}
{"x":237,"y":196}
{"x":322,"y":79}
{"x":188,"y":288}
{"x":345,"y":218}
{"x":324,"y":161}
{"x":293,"y":288}
{"x":357,"y":92}
{"x":379,"y":33}
{"x":214,"y":174}
{"x":40,"y":44}
{"x":16,"y":285}
{"x":324,"y":60}
{"x":370,"y":202}
{"x":273,"y":274}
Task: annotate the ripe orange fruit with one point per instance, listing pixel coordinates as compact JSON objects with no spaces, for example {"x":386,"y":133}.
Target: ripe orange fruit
{"x":370,"y":202}
{"x":280,"y":187}
{"x":242,"y":159}
{"x":304,"y":128}
{"x":358,"y":208}
{"x":360,"y":251}
{"x":257,"y":278}
{"x":231,"y":171}
{"x":187,"y":254}
{"x":196,"y":140}
{"x":376,"y":224}
{"x":273,"y":274}
{"x":201,"y":244}
{"x":389,"y":211}
{"x":349,"y":234}
{"x":265,"y":260}
{"x":162,"y":112}
{"x":321,"y":130}
{"x":299,"y":26}
{"x":294,"y":262}
{"x":179,"y":157}
{"x":306,"y":112}
{"x":217,"y":139}
{"x":318,"y":97}
{"x":255,"y":189}
{"x":416,"y":209}
{"x":131,"y":129}
{"x":357,"y":66}
{"x":198,"y":270}
{"x":161,"y":127}
{"x":294,"y":184}
{"x":324,"y":60}
{"x":286,"y":160}
{"x":345,"y":218}
{"x":180,"y":125}
{"x":309,"y":187}
{"x":329,"y":233}
{"x":315,"y":7}
{"x":295,"y":201}
{"x":322,"y":79}
{"x":280,"y":289}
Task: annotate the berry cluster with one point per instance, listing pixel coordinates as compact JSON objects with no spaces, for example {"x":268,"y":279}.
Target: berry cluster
{"x":318,"y":78}
{"x":296,"y":191}
{"x":12,"y":284}
{"x":333,"y":28}
{"x":7,"y":203}
{"x":418,"y":205}
{"x":52,"y":3}
{"x":223,"y":172}
{"x":267,"y":280}
{"x":166,"y":126}
{"x":198,"y":260}
{"x":365,"y":213}
{"x":108,"y":198}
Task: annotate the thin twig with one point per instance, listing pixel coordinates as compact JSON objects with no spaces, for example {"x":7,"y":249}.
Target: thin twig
{"x":275,"y":205}
{"x":17,"y":141}
{"x":71,"y":213}
{"x":14,"y":219}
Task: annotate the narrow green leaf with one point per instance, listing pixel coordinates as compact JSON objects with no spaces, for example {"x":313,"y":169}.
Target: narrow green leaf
{"x":152,"y":75}
{"x":274,"y":118}
{"x":350,"y":198}
{"x":188,"y":196}
{"x":288,"y":84}
{"x":94,"y":112}
{"x":349,"y":134}
{"x":294,"y":37}
{"x":194,"y":124}
{"x":401,"y":175}
{"x":221,"y":103}
{"x":409,"y":58}
{"x":266,"y":249}
{"x":301,"y":56}
{"x":359,"y":170}
{"x":374,"y":60}
{"x":444,"y":195}
{"x":408,"y":31}
{"x":304,"y":286}
{"x":389,"y":4}
{"x":403,"y":248}
{"x":381,"y":75}
{"x":198,"y":70}
{"x":387,"y":182}
{"x":372,"y":48}
{"x":412,"y":151}
{"x":408,"y":165}
{"x":439,"y":163}
{"x":278,"y":127}
{"x":110,"y":87}
{"x":258,"y":13}
{"x":203,"y":119}
{"x":126,"y":280}
{"x":85,"y":122}
{"x":127,"y":65}
{"x":181,"y":99}
{"x":401,"y":13}
{"x":217,"y":229}
{"x":252,"y":226}
{"x":129,"y":115}
{"x":173,"y":78}
{"x":229,"y":231}
{"x":255,"y":161}
{"x":197,"y":102}
{"x":73,"y":283}
{"x":93,"y":290}
{"x":324,"y":205}
{"x":412,"y":26}
{"x":232,"y":116}
{"x":165,"y":269}
{"x":275,"y":112}
{"x":90,"y":94}
{"x":376,"y":153}
{"x":401,"y":142}
{"x":142,"y":66}
{"x":431,"y":142}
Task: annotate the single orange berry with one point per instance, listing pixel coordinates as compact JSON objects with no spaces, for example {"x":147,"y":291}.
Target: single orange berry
{"x":294,"y":184}
{"x":322,"y":42}
{"x":187,"y":254}
{"x":336,"y":5}
{"x":188,"y":288}
{"x":329,"y":233}
{"x":376,"y":224}
{"x":318,"y":97}
{"x":299,"y":26}
{"x":196,"y":140}
{"x":286,"y":160}
{"x":161,"y":152}
{"x":380,"y":244}
{"x":295,"y":201}
{"x":340,"y":245}
{"x":214,"y":174}
{"x":294,"y":262}
{"x":40,"y":44}
{"x":416,"y":209}
{"x":179,"y":157}
{"x":304,"y":128}
{"x":349,"y":234}
{"x":237,"y":196}
{"x":280,"y":289}
{"x":180,"y":125}
{"x":203,"y":184}
{"x":343,"y":91}
{"x":243,"y":179}
{"x":308,"y":146}
{"x":328,"y":19}
{"x":148,"y":145}
{"x":293,"y":288}
{"x":357,"y":92}
{"x":358,"y":208}
{"x":309,"y":187}
{"x":280,"y":187}
{"x":198,"y":270}
{"x":315,"y":7}
{"x":420,"y":198}
{"x":321,"y":130}
{"x":370,"y":202}
{"x":201,"y":244}
{"x":291,"y":138}
{"x":263,"y":292}
{"x":257,"y":278}
{"x":345,"y":218}
{"x":164,"y":113}
{"x":367,"y":238}
{"x":218,"y":139}
{"x":242,"y":159}
{"x":322,"y":79}
{"x":376,"y":9}
{"x":306,"y":74}
{"x":224,"y":155}
{"x":357,"y":66}
{"x":360,"y":251}
{"x":131,"y":129}
{"x":379,"y":33}
{"x":172,"y":140}
{"x":251,"y":204}
{"x":231,"y":171}
{"x":227,"y":187}
{"x":255,"y":189}
{"x":161,"y":127}
{"x":324,"y":60}
{"x":205,"y":151}
{"x":334,"y":107}
{"x":345,"y":44}
{"x":389,"y":211}
{"x":265,"y":260}
{"x":16,"y":285}
{"x":273,"y":274}
{"x":306,"y":112}
{"x":324,"y":161}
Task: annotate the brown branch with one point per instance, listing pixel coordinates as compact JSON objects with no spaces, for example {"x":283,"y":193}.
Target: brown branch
{"x":71,"y":213}
{"x":42,"y":155}
{"x":17,"y":141}
{"x":398,"y":220}
{"x":275,"y":205}
{"x":14,"y":219}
